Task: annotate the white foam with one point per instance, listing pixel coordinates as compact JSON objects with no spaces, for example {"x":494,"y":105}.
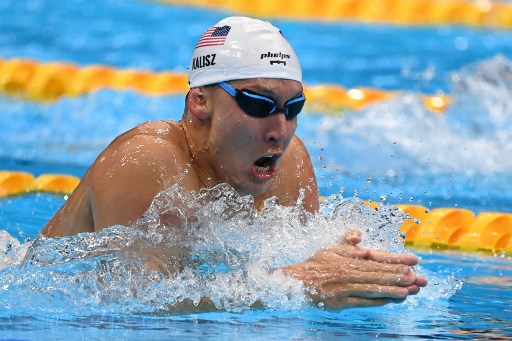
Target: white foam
{"x":11,"y":250}
{"x":474,"y":135}
{"x":231,"y":255}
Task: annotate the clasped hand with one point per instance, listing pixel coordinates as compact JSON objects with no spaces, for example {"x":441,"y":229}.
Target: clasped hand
{"x":347,"y":276}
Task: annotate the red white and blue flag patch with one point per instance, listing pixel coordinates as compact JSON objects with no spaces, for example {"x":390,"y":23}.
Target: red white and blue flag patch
{"x":214,"y":36}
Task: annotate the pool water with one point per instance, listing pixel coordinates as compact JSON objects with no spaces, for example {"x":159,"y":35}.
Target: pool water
{"x":392,"y":152}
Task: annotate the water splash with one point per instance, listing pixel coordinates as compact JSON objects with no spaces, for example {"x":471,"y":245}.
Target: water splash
{"x":401,"y":136}
{"x":12,"y":251}
{"x":229,"y":254}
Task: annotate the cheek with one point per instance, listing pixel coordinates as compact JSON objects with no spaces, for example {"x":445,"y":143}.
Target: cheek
{"x":235,"y":137}
{"x":292,"y":127}
{"x":242,"y":139}
{"x":242,"y":131}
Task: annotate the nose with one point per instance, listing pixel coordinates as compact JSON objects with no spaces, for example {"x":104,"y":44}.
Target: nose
{"x":278,"y":128}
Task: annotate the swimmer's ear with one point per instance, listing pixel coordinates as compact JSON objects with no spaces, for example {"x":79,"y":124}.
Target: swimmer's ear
{"x":197,"y":103}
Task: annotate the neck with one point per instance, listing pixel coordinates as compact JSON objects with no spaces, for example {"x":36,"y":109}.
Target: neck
{"x":199,"y":153}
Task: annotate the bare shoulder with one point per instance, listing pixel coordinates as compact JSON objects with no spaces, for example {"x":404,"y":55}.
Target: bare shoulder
{"x":295,"y":175}
{"x":166,"y":132}
{"x":296,"y":153}
{"x":121,"y":184}
{"x":135,"y":167}
{"x":144,"y":144}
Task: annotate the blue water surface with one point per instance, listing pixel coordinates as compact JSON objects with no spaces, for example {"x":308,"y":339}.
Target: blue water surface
{"x":392,"y":152}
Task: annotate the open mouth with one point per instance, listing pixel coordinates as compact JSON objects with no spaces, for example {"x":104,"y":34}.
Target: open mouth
{"x":265,"y":167}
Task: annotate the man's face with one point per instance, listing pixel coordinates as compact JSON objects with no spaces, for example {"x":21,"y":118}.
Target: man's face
{"x":246,"y":150}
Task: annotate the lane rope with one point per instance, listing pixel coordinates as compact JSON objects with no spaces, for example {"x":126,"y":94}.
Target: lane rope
{"x":476,"y":13}
{"x":15,"y":183}
{"x":48,"y":82}
{"x":456,"y":229}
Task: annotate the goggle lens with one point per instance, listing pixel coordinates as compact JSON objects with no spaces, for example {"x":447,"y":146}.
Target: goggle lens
{"x":256,"y":105}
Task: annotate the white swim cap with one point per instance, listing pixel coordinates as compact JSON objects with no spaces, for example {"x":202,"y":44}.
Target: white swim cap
{"x":242,"y":48}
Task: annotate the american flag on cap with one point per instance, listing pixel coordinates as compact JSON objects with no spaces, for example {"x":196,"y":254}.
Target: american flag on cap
{"x":214,"y":36}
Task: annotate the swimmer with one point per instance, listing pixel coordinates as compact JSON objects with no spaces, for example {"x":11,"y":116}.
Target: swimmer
{"x":238,"y":128}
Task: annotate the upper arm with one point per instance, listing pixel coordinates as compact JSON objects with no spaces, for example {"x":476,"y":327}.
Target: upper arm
{"x":295,"y":174}
{"x":73,"y":217}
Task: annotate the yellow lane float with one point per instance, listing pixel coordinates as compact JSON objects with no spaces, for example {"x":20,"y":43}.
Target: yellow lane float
{"x":12,"y":183}
{"x":15,"y":182}
{"x":479,"y":13}
{"x":326,"y":98}
{"x":490,"y":231}
{"x":457,"y":229}
{"x":50,"y":81}
{"x":56,"y":183}
{"x":441,"y":228}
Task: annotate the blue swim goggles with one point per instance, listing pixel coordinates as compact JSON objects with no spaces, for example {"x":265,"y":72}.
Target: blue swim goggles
{"x":260,"y":106}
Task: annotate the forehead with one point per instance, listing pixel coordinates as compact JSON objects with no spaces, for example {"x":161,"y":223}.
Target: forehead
{"x":275,"y":88}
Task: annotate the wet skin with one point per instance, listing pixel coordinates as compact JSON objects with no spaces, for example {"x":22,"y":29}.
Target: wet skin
{"x":216,"y":142}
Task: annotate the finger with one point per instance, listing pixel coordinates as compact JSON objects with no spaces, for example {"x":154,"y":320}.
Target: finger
{"x":368,"y":291}
{"x":375,"y":255}
{"x":392,"y":258}
{"x":325,"y":276}
{"x":338,"y":278}
{"x":421,"y":281}
{"x":369,"y":265}
{"x":352,"y":237}
{"x":337,"y":259}
{"x":416,"y":287}
{"x":355,"y":302}
{"x":348,"y":251}
{"x":413,"y":289}
{"x":375,"y":277}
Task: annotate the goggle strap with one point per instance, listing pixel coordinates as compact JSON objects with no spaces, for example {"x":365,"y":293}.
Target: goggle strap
{"x":230,"y":90}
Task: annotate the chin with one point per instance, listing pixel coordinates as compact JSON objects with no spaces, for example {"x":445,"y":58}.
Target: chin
{"x":254,"y":189}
